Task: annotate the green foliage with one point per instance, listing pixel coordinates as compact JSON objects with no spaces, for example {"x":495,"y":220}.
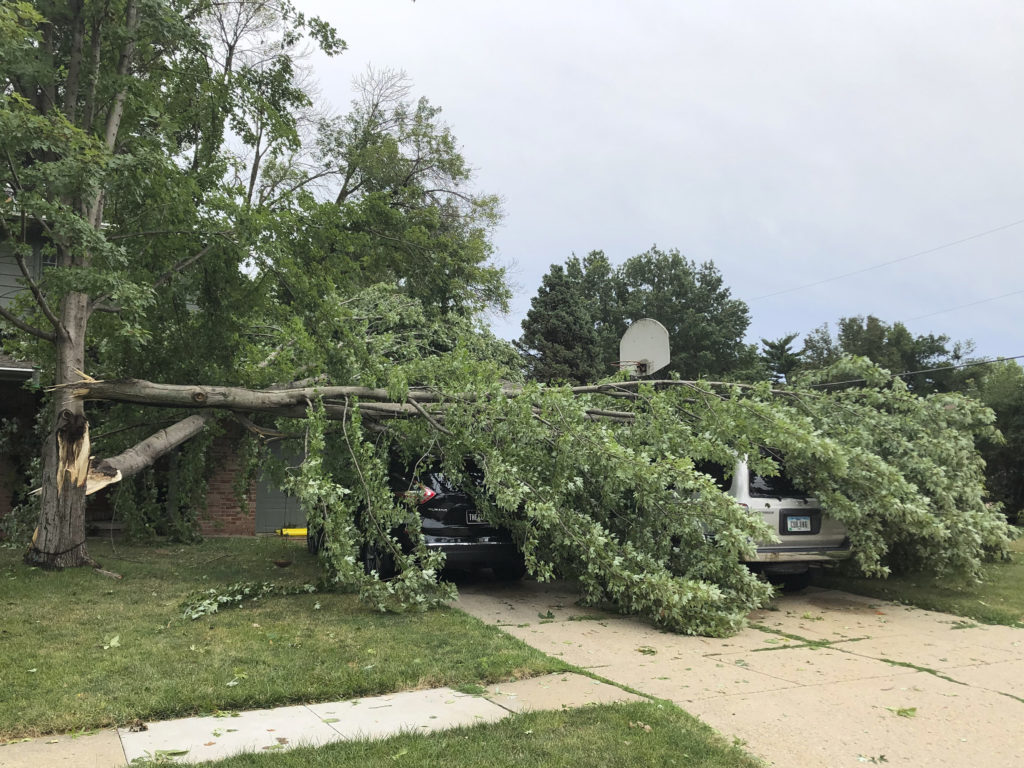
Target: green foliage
{"x":890,"y":346}
{"x":176,"y":171}
{"x":779,"y":357}
{"x":572,"y":330}
{"x":209,"y":601}
{"x":136,"y":506}
{"x":362,"y":516}
{"x":705,"y":324}
{"x":20,"y":443}
{"x":1001,"y":388}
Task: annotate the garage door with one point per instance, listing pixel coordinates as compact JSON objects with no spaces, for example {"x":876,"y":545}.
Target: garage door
{"x":275,"y":508}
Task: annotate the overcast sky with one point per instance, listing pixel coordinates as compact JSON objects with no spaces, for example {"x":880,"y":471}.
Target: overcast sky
{"x":787,"y":142}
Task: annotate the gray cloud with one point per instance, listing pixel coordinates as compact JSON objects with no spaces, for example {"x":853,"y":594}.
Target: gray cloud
{"x":785,"y":141}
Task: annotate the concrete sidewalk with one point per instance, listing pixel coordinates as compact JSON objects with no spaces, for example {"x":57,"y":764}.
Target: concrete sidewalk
{"x":822,"y":679}
{"x":196,"y":739}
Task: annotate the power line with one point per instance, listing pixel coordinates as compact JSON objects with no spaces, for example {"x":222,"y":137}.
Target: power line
{"x":926,"y":370}
{"x":962,"y":306}
{"x":893,"y":261}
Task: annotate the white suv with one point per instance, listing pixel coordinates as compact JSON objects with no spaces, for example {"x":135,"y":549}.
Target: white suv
{"x":806,"y":535}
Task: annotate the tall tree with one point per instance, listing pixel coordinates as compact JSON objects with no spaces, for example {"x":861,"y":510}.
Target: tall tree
{"x":571,"y":331}
{"x":207,"y":223}
{"x":75,"y":131}
{"x":706,"y":325}
{"x":779,"y":357}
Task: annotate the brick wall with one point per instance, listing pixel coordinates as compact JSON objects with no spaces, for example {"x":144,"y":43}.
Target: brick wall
{"x":19,"y":404}
{"x":223,"y":515}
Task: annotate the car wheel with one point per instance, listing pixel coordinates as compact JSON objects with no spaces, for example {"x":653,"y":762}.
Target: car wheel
{"x":315,"y":536}
{"x":375,"y":558}
{"x":509,"y":571}
{"x":795,"y":582}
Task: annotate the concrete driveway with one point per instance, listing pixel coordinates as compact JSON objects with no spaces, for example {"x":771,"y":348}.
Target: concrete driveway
{"x":822,"y":678}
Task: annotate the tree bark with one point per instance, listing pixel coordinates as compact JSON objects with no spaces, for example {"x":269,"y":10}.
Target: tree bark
{"x":282,"y":402}
{"x":59,"y":540}
{"x":138,"y":457}
{"x":374,"y":404}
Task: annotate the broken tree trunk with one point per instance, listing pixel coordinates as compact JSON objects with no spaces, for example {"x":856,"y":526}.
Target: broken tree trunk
{"x":59,"y":540}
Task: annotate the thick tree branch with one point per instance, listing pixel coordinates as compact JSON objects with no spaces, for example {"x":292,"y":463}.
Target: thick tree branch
{"x":184,"y":264}
{"x":294,"y":400}
{"x":17,"y":322}
{"x":74,"y":76}
{"x":374,"y":404}
{"x":123,"y":65}
{"x":230,"y":398}
{"x":137,"y":458}
{"x":36,"y":293}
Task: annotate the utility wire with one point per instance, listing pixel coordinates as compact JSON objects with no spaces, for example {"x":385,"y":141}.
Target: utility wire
{"x":893,"y":261}
{"x":926,"y":370}
{"x":962,"y":306}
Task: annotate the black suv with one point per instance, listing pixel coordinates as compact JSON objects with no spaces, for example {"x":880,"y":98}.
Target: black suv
{"x":450,"y":522}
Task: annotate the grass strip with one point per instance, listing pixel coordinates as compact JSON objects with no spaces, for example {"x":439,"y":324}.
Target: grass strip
{"x":81,"y":651}
{"x":998,"y":599}
{"x":634,"y":735}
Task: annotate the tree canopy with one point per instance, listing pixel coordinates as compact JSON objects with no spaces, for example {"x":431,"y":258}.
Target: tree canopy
{"x":601,"y":482}
{"x":572,"y":330}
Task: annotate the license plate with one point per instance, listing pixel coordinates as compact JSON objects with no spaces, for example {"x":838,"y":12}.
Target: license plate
{"x":798,"y":524}
{"x":474,"y":518}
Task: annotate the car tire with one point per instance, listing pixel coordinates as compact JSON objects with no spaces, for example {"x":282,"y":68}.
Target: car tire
{"x":795,"y":582}
{"x":513,"y":571}
{"x":315,"y":536}
{"x":375,"y":558}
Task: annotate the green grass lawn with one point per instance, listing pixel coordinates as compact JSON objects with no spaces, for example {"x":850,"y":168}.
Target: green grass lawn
{"x":57,"y":676}
{"x":616,"y":735}
{"x":999,"y":599}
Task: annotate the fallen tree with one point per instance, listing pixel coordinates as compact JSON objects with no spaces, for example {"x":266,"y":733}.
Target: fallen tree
{"x":600,"y":482}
